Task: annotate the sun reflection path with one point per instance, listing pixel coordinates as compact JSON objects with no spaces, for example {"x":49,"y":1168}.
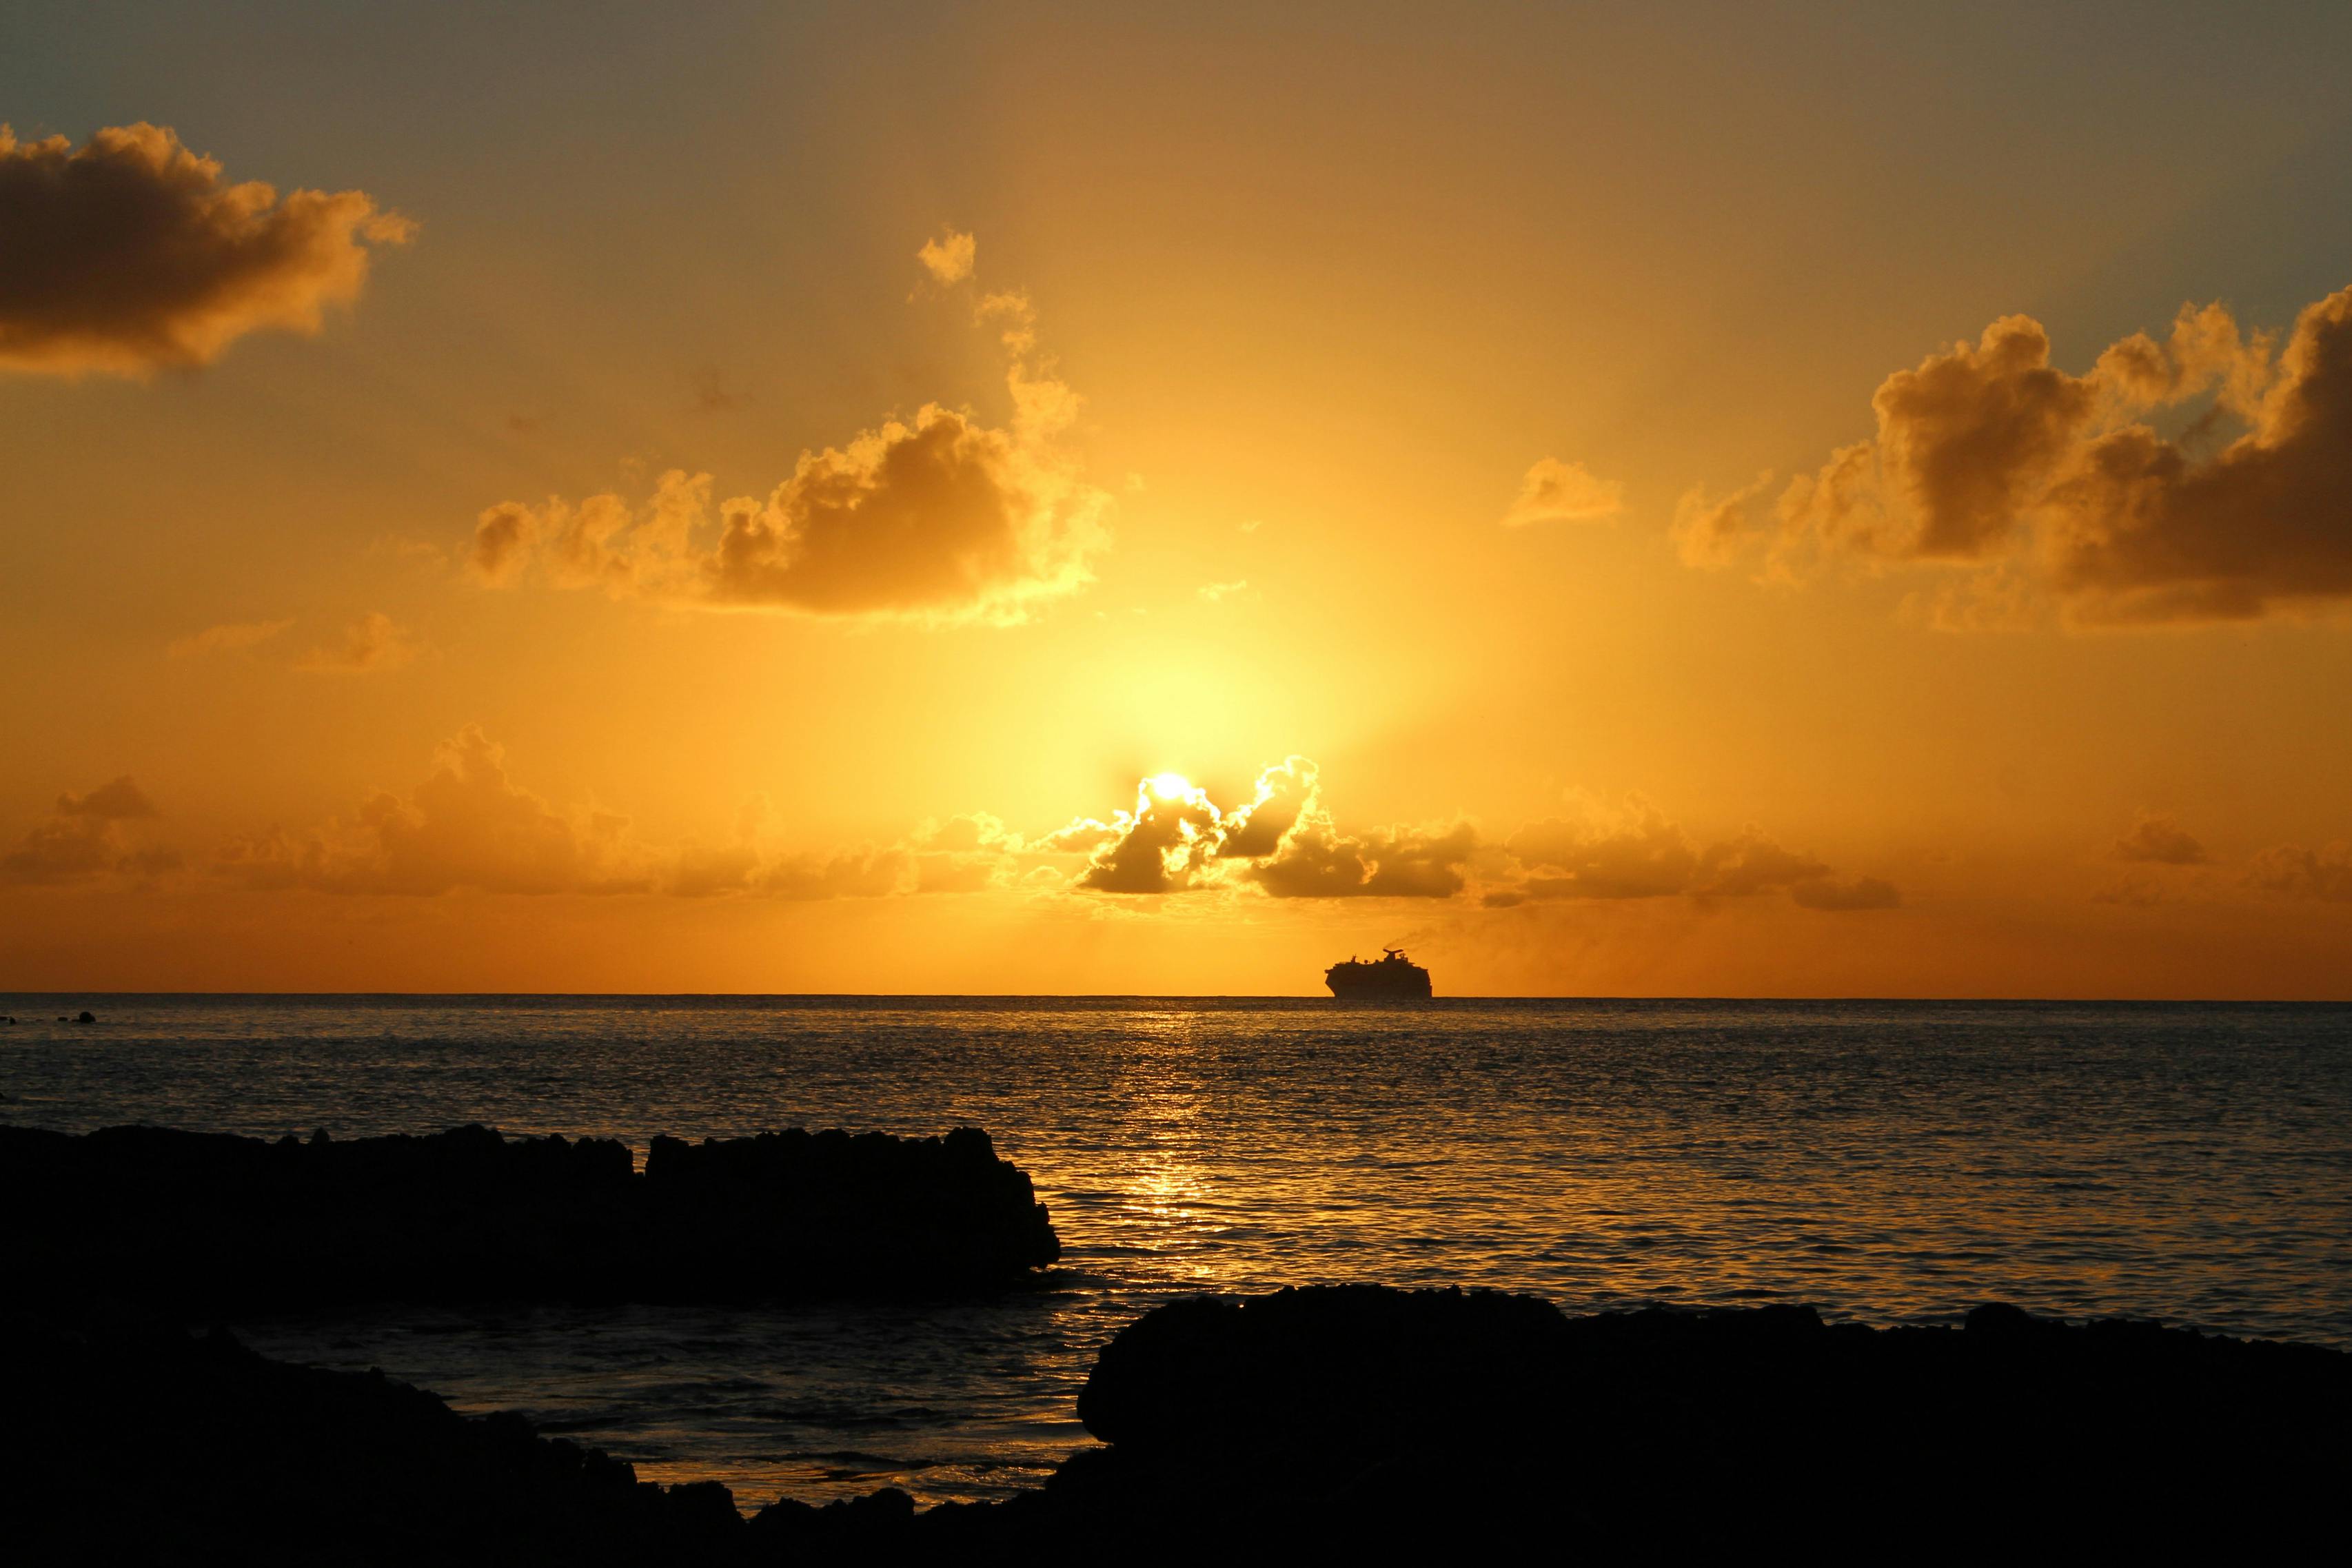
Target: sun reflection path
{"x":1168,"y":1210}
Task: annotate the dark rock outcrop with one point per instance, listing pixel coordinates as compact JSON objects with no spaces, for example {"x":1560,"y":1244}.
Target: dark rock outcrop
{"x":1319,"y":1423}
{"x":204,"y":1224}
{"x":134,"y":1444}
{"x":1369,"y":1418}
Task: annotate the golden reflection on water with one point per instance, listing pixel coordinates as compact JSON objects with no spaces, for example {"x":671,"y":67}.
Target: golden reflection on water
{"x":1164,"y":1183}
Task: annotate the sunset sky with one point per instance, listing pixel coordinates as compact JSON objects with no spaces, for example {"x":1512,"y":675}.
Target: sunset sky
{"x":1729,"y":499}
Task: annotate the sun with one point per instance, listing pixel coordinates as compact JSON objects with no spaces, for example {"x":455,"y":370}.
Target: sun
{"x":1170,"y":786}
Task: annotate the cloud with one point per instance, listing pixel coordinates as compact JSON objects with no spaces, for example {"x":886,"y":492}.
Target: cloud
{"x":2047,"y":484}
{"x":968,"y":853}
{"x":467,"y":825}
{"x":1159,"y":846}
{"x":1711,"y":530}
{"x":2293,"y":871}
{"x":85,"y":837}
{"x":2160,"y":841}
{"x":937,"y":518}
{"x":2144,"y":531}
{"x":1255,"y":828}
{"x":1642,"y":855}
{"x":1637,"y":852}
{"x":1281,"y":840}
{"x":1213,"y":592}
{"x":130,"y":253}
{"x":848,"y":874}
{"x":1557,"y":492}
{"x":372,"y":643}
{"x":949,"y":258}
{"x":227,"y":637}
{"x":714,"y":394}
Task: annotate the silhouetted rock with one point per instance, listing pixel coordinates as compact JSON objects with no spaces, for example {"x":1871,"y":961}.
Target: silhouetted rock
{"x":206,"y":1223}
{"x":85,"y":1016}
{"x":1352,"y":1421}
{"x":1368,"y":1417}
{"x":128,"y":1442}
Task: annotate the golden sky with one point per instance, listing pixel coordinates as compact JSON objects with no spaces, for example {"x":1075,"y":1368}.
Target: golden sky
{"x":1718,"y":500}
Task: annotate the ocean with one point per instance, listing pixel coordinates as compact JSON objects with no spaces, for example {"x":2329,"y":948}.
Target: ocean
{"x":1890,"y":1162}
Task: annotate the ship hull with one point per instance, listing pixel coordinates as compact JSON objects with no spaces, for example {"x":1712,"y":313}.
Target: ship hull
{"x":1379,"y":988}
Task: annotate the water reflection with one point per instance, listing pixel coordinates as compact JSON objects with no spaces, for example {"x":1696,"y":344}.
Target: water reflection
{"x":1889,"y":1162}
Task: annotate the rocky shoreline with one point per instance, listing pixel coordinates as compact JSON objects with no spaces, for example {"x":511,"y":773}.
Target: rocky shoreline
{"x":202,"y":1225}
{"x":1315,"y":1421}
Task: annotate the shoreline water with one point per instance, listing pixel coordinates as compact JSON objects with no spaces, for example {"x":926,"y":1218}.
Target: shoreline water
{"x":1895,"y":1164}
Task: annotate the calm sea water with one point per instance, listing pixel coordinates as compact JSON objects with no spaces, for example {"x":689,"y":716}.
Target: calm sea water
{"x":1891,"y":1162}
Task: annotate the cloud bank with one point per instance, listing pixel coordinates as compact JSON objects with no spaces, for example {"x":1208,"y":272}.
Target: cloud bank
{"x":130,"y":255}
{"x":1636,"y":852}
{"x":469,"y":825}
{"x":1281,"y":842}
{"x":935,"y":518}
{"x":86,"y":837}
{"x":1989,"y":459}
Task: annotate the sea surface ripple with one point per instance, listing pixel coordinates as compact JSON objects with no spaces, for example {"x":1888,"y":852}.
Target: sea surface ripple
{"x":1891,"y":1162}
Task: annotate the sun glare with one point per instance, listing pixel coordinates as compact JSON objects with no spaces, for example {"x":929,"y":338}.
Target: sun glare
{"x":1170,"y":786}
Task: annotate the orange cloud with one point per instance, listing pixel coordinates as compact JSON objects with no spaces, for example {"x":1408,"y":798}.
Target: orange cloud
{"x":86,"y":837}
{"x":470,"y":827}
{"x":949,"y":258}
{"x":1711,"y":530}
{"x":2293,"y":872}
{"x":1988,"y":458}
{"x":1559,"y":492}
{"x":130,"y":253}
{"x":1316,"y":861}
{"x":226,"y":637}
{"x":936,"y":518}
{"x":372,"y":643}
{"x":467,"y":826}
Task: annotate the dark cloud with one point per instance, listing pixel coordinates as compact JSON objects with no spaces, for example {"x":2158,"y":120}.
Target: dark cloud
{"x":2160,"y":841}
{"x":1254,"y":829}
{"x":1316,"y":861}
{"x":1988,"y":457}
{"x":2289,"y":870}
{"x":117,"y":800}
{"x":937,"y":517}
{"x":1280,"y":841}
{"x":920,"y":517}
{"x":130,"y":254}
{"x":85,"y":837}
{"x":2145,"y":532}
{"x":1159,"y":846}
{"x":1644,"y":856}
{"x":1639,"y":852}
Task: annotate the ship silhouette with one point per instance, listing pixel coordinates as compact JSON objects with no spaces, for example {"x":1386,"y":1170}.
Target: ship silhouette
{"x":1392,"y":977}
